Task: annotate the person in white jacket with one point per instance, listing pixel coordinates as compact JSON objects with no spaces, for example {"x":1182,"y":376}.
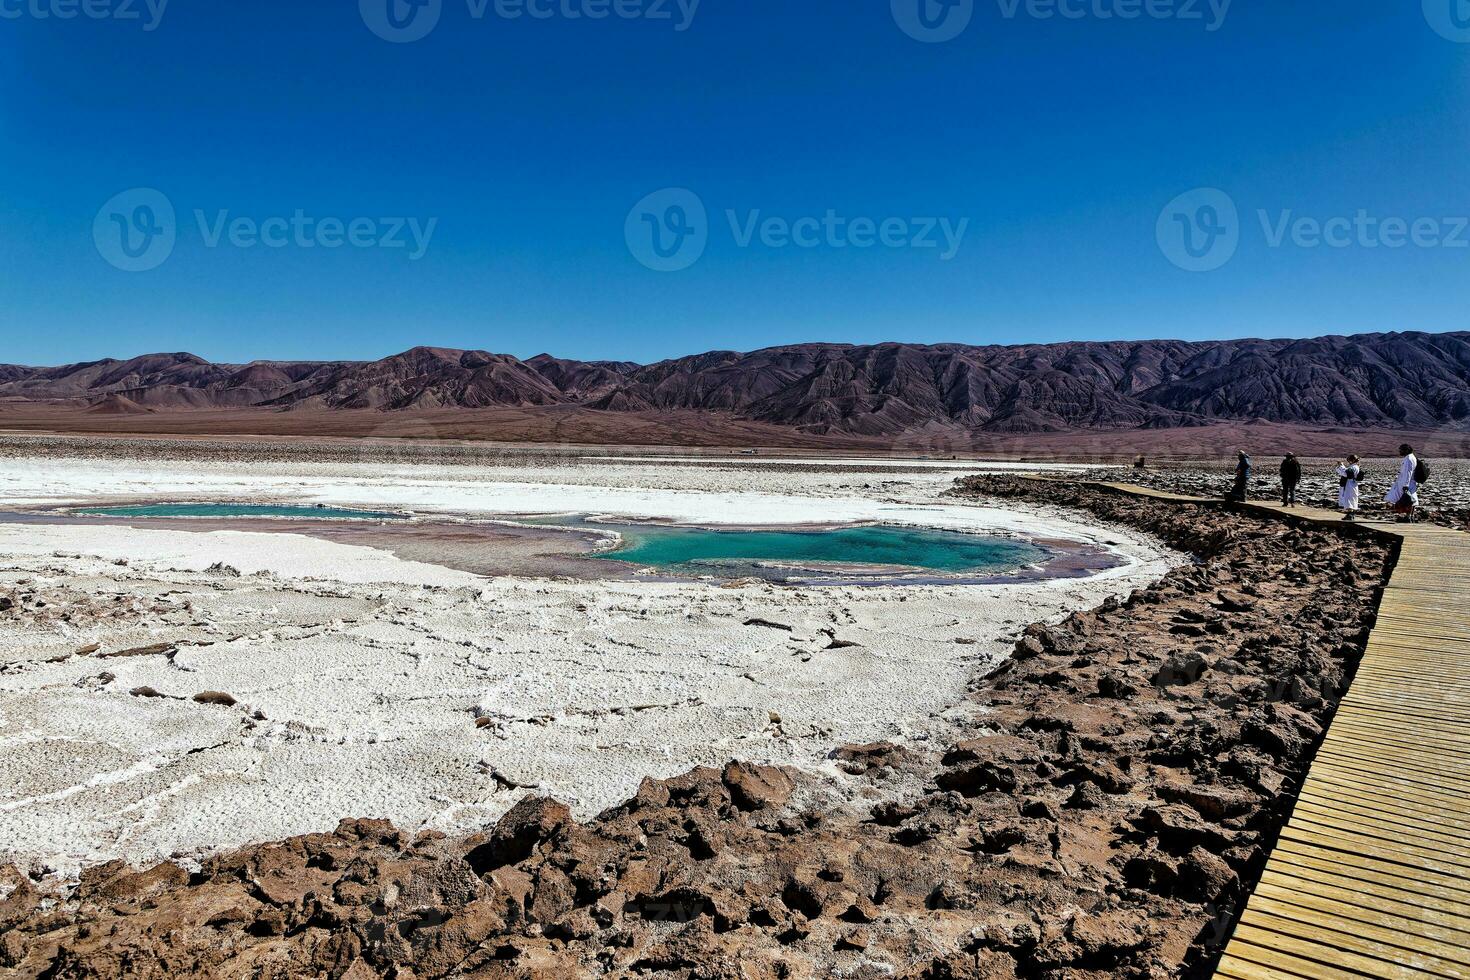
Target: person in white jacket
{"x":1403,"y":496}
{"x":1348,"y":473}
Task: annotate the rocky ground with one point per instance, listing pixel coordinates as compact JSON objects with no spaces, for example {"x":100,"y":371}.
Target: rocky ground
{"x":1134,"y":766}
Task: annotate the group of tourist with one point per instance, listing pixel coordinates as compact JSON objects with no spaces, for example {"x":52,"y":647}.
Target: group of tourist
{"x":1403,"y":496}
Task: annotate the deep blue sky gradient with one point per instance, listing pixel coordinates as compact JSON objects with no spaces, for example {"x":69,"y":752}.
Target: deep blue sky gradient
{"x":529,"y":141}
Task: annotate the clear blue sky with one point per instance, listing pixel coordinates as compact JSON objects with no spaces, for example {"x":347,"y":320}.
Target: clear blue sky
{"x":530,"y":140}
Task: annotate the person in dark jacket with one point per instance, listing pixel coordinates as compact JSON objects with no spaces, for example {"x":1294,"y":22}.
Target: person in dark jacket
{"x":1242,"y":478}
{"x":1291,"y":475}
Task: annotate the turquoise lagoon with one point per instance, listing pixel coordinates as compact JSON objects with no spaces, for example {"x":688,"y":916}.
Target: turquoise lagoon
{"x":705,"y":550}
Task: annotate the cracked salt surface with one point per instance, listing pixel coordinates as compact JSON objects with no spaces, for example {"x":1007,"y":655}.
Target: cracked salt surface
{"x":376,"y":687}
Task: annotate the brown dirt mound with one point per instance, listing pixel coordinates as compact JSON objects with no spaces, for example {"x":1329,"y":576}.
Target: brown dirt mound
{"x":117,"y":405}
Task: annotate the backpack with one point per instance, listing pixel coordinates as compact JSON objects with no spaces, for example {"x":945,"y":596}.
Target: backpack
{"x":1421,"y":472}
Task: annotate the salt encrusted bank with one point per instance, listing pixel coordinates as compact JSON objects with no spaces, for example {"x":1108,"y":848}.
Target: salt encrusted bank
{"x":340,"y":680}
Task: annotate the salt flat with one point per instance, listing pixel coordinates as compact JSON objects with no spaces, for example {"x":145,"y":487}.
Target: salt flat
{"x":367,"y":685}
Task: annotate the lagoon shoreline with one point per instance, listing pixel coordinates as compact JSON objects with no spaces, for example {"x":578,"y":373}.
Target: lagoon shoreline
{"x":432,"y":678}
{"x":1098,"y":813}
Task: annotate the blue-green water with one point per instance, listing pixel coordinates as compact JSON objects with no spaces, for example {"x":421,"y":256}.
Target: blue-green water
{"x":676,"y":548}
{"x":239,"y":510}
{"x":859,"y":555}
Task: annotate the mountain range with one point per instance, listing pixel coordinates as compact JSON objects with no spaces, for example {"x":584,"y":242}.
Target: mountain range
{"x":1399,"y":380}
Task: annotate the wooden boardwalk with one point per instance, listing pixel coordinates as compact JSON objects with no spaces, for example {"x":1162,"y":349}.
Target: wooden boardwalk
{"x":1371,"y":876}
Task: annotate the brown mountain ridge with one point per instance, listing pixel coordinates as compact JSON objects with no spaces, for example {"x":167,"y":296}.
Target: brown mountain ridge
{"x":1397,"y":380}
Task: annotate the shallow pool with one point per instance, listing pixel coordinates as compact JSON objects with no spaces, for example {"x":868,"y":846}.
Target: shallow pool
{"x":748,"y":551}
{"x":874,"y":555}
{"x":239,"y":510}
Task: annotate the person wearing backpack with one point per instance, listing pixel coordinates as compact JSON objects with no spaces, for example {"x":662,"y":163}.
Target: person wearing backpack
{"x":1348,"y":475}
{"x":1403,"y":496}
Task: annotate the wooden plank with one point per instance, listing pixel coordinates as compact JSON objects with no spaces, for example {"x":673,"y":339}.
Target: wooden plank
{"x":1390,"y":810}
{"x":1421,"y":670}
{"x":1398,"y":717}
{"x":1323,"y":785}
{"x":1424,"y":666}
{"x":1325,"y":866}
{"x":1405,"y":904}
{"x":1400,"y":634}
{"x":1391,"y":771}
{"x":1403,"y":648}
{"x":1379,"y":841}
{"x":1424,"y":830}
{"x":1232,"y":965}
{"x":1350,"y":946}
{"x":1439,"y":741}
{"x":1351,"y":726}
{"x":1370,"y":923}
{"x":1378,"y":713}
{"x":1427,"y":647}
{"x":1386,"y":902}
{"x":1411,"y":672}
{"x":1349,"y":729}
{"x":1447,"y":766}
{"x":1396,"y":766}
{"x":1412,"y":857}
{"x":1287,"y":950}
{"x":1388,"y":938}
{"x":1378,"y":780}
{"x":1406,"y":622}
{"x":1452,"y":704}
{"x":1225,"y":973}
